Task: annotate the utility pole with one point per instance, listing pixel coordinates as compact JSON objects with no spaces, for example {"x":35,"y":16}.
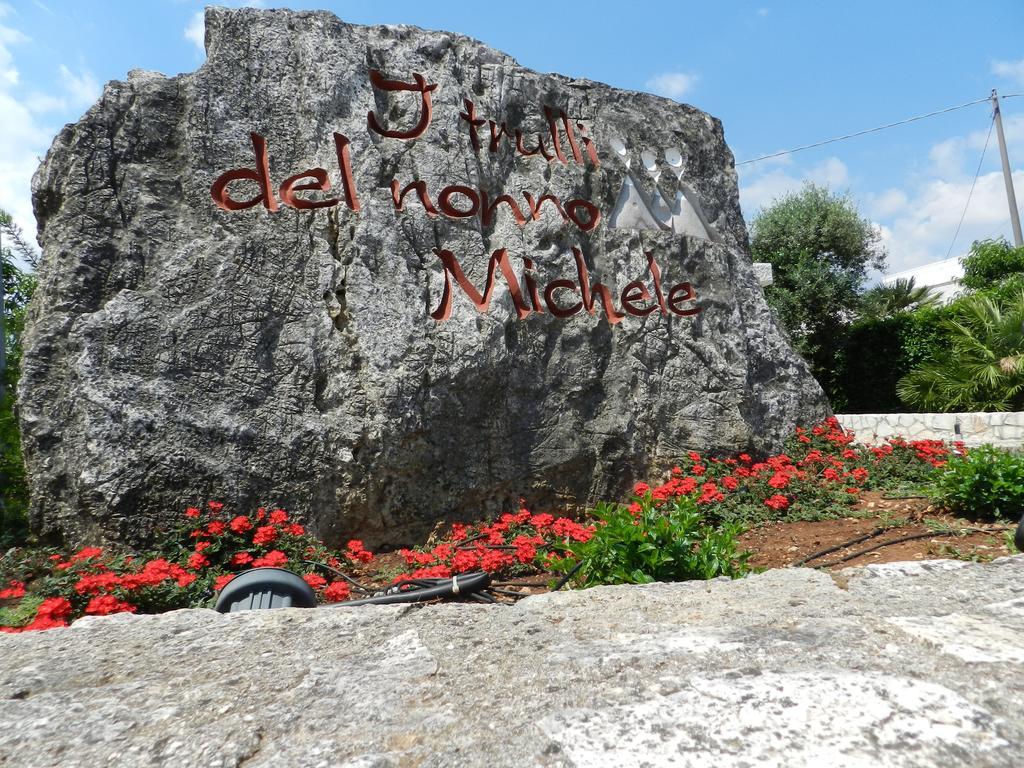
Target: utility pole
{"x":1011,"y":198}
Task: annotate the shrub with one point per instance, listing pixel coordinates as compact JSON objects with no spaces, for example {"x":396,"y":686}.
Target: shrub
{"x":650,"y":542}
{"x":986,"y":482}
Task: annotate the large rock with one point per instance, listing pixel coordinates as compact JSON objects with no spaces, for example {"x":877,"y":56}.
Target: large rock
{"x":906,"y":665}
{"x":179,"y":351}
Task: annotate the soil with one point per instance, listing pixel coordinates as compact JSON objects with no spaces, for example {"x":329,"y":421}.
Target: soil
{"x":939,"y":536}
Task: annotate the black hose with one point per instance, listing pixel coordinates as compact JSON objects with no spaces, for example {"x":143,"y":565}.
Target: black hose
{"x":837,"y":547}
{"x":462,"y":584}
{"x":565,"y":579}
{"x":335,"y":571}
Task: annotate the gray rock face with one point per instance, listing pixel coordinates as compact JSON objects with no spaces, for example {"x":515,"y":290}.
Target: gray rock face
{"x":913,"y":664}
{"x":179,"y":350}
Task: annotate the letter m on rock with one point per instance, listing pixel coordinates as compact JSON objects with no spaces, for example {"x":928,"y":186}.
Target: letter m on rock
{"x":499,"y":260}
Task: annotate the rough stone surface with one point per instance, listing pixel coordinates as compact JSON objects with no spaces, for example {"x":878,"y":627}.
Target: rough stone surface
{"x":909,"y":664}
{"x":178,"y":352}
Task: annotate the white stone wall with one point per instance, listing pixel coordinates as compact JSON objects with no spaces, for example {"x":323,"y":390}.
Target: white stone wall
{"x":1005,"y":430}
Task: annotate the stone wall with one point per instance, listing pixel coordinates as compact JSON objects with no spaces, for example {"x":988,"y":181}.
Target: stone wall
{"x":1005,"y":430}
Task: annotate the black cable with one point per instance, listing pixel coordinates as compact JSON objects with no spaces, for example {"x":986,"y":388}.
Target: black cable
{"x":565,"y":579}
{"x":844,"y":545}
{"x":349,"y":579}
{"x":861,"y":133}
{"x":971,"y":193}
{"x":463,"y":584}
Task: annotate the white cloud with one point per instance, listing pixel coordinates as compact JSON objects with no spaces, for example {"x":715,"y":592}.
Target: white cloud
{"x":1011,"y":70}
{"x":924,"y":230}
{"x":762,"y":12}
{"x":674,"y":85}
{"x":760,"y":188}
{"x":196,"y":31}
{"x":83,"y":89}
{"x":23,"y":138}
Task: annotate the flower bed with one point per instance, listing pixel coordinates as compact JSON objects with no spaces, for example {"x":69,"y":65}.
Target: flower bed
{"x":704,"y":503}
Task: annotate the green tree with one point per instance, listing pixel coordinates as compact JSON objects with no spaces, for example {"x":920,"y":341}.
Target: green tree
{"x":884,"y":301}
{"x":990,"y":263}
{"x":983,"y":367}
{"x":17,"y":288}
{"x":821,"y":249}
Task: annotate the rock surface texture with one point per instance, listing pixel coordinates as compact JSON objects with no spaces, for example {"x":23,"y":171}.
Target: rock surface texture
{"x":893,"y":666}
{"x":179,"y":350}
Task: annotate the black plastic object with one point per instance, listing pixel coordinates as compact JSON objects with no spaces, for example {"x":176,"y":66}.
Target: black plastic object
{"x":419,"y":590}
{"x":264,"y":588}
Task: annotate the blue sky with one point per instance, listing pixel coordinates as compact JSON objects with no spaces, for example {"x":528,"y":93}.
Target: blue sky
{"x":778,"y":74}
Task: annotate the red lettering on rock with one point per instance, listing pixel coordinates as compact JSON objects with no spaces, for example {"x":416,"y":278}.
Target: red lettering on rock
{"x":474,"y":122}
{"x":261,"y":175}
{"x":679,"y":295}
{"x":632,"y":293}
{"x":499,"y":260}
{"x":593,"y":214}
{"x":652,"y":265}
{"x":535,"y":208}
{"x":322,"y":184}
{"x":613,"y":315}
{"x":444,"y":200}
{"x":488,"y":208}
{"x":421,"y":86}
{"x":420,"y":188}
{"x":348,"y":184}
{"x":556,"y":310}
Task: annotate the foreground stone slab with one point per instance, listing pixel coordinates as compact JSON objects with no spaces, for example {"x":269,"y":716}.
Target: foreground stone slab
{"x":914,"y":664}
{"x":213,"y":321}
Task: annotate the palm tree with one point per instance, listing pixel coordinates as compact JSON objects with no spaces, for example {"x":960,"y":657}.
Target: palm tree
{"x":901,"y":295}
{"x":984,"y":368}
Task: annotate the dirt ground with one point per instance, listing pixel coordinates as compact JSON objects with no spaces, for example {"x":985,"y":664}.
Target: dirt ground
{"x":881,"y":520}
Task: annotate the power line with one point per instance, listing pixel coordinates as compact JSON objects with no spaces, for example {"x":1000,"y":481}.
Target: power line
{"x":970,"y":194}
{"x":869,"y":130}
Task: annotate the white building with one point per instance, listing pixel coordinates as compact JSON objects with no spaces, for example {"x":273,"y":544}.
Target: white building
{"x":943,"y":277}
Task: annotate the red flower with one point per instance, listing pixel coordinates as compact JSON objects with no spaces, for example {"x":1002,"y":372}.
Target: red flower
{"x":14,"y":590}
{"x":104,"y":605}
{"x":215,"y":528}
{"x":778,"y":501}
{"x":86,"y":553}
{"x":201,"y":545}
{"x":641,"y":488}
{"x":694,"y":456}
{"x":465,"y":561}
{"x":336,"y":592}
{"x":744,"y":457}
{"x":275,"y":558}
{"x":358,"y":553}
{"x":185,"y":579}
{"x":778,"y":480}
{"x":542,"y":521}
{"x":315,"y":581}
{"x":295,"y":529}
{"x":197,"y":561}
{"x":215,"y":506}
{"x":278,"y":516}
{"x":730,"y":482}
{"x":698,"y":469}
{"x":264,"y":535}
{"x":93,"y":584}
{"x":240,"y":524}
{"x":860,"y":474}
{"x":241,"y":558}
{"x":221,"y":581}
{"x":191,"y":512}
{"x":56,"y":608}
